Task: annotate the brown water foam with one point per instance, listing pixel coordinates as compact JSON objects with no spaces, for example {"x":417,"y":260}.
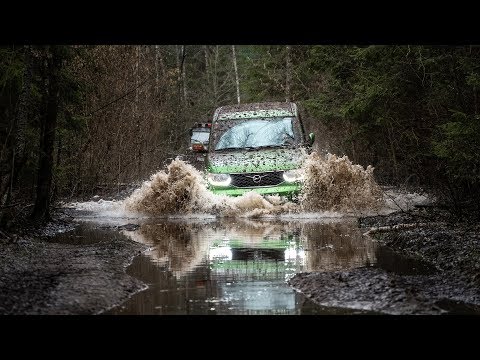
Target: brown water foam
{"x":331,"y":184}
{"x":336,"y":184}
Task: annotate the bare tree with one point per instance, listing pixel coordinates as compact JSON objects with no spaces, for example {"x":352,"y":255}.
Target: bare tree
{"x":137,"y":65}
{"x":215,"y":78}
{"x":237,"y":82}
{"x":288,"y":75}
{"x":157,"y":73}
{"x":207,"y":65}
{"x":182,"y":85}
{"x":136,"y":114}
{"x":184,"y":78}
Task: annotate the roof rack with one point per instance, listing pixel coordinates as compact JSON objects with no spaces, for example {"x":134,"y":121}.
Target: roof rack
{"x":255,"y":110}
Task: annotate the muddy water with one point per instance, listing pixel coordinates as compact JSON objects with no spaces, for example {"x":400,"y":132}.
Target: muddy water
{"x":236,"y":266}
{"x":214,"y":254}
{"x":331,"y":184}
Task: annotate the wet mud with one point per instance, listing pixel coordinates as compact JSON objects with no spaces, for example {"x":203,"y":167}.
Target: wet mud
{"x":66,"y":272}
{"x":441,"y":276}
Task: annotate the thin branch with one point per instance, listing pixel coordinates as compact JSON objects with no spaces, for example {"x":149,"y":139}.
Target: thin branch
{"x":120,"y":97}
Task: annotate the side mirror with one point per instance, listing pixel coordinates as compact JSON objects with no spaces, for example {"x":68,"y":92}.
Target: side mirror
{"x":311,"y":137}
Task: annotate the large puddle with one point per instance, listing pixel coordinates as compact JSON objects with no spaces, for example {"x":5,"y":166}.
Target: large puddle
{"x":239,"y":267}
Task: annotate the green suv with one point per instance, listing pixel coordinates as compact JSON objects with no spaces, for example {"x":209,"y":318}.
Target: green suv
{"x":257,"y":147}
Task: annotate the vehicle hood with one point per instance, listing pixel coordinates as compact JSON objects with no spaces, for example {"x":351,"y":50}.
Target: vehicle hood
{"x":255,"y":160}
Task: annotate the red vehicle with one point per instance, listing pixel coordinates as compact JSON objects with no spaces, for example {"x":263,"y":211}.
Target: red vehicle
{"x":199,"y":139}
{"x":200,"y":136}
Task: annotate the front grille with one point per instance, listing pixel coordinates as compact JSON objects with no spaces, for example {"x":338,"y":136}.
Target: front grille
{"x":257,"y":179}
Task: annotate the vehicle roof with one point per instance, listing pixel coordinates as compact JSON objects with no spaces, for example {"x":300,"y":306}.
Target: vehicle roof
{"x":255,"y":110}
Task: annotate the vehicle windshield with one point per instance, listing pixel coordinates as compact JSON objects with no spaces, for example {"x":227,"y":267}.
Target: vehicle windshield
{"x":255,"y":133}
{"x":200,"y":137}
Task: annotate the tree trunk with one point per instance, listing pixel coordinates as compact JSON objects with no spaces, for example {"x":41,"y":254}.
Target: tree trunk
{"x":157,"y":73}
{"x":139,"y":141}
{"x":184,"y":79}
{"x":137,"y":61}
{"x":215,"y":78}
{"x":179,"y":71}
{"x":207,"y":67}
{"x":58,"y":161}
{"x":182,"y":86}
{"x":41,"y":211}
{"x":475,"y":99}
{"x":237,"y":82}
{"x":288,"y":79}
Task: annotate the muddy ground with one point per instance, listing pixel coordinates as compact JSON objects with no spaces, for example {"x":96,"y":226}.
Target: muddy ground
{"x":41,"y":277}
{"x":448,"y":283}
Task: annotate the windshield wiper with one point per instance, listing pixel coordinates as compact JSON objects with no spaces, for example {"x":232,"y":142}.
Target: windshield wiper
{"x":271,"y":146}
{"x":228,"y":149}
{"x":245,"y":148}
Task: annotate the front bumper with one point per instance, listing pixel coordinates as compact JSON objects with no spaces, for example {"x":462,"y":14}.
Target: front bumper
{"x":283,"y":190}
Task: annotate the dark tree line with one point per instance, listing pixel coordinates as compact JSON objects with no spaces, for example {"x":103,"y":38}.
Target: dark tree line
{"x":37,"y":92}
{"x":77,"y":120}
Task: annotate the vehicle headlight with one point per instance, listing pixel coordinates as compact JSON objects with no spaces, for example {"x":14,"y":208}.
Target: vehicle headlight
{"x":219,"y":179}
{"x":293,"y":175}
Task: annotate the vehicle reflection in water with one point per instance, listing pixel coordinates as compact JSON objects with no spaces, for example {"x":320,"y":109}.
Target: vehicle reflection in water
{"x":241,"y":267}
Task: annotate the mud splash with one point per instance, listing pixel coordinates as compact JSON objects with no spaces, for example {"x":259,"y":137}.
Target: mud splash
{"x":336,"y":184}
{"x":332,"y":184}
{"x":181,"y":189}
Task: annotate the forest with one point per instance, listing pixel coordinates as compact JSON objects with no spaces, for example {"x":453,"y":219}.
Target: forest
{"x":81,"y":119}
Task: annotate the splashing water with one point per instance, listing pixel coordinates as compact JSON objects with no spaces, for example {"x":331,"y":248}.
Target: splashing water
{"x":335,"y":184}
{"x":182,"y":189}
{"x":332,"y":184}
